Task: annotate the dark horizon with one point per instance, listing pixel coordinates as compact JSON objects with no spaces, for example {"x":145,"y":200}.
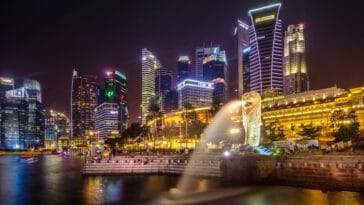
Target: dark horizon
{"x":45,"y":41}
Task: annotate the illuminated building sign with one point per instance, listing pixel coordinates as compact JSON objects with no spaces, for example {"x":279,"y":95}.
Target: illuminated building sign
{"x":6,"y":81}
{"x":110,"y":93}
{"x":265,"y":18}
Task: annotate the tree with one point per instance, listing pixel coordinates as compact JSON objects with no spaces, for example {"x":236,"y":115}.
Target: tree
{"x":345,"y":125}
{"x":309,"y":131}
{"x":274,"y":131}
{"x":155,"y":115}
{"x":114,"y":142}
{"x":190,"y":116}
{"x":133,"y":131}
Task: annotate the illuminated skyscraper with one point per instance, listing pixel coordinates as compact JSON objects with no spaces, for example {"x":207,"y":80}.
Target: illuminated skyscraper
{"x":201,"y":53}
{"x":182,"y":68}
{"x":266,"y":54}
{"x":84,"y":101}
{"x":171,"y":101}
{"x":14,"y":119}
{"x":163,"y":84}
{"x":115,"y":92}
{"x":36,"y":114}
{"x":295,"y":77}
{"x":238,"y":63}
{"x":215,"y":71}
{"x":149,"y":64}
{"x":5,"y":85}
{"x":195,"y":93}
{"x":56,"y":127}
{"x":22,"y":113}
{"x":107,"y":121}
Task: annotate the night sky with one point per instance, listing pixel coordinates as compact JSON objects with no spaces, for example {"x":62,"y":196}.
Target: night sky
{"x":45,"y":40}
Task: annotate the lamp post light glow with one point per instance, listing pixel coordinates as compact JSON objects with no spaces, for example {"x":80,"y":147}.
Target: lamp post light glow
{"x":234,"y":130}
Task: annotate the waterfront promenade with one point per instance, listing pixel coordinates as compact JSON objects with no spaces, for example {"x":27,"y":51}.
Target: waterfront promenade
{"x":154,"y":164}
{"x":325,"y":172}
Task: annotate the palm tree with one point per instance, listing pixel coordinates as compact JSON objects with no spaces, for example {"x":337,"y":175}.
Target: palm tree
{"x":154,"y":115}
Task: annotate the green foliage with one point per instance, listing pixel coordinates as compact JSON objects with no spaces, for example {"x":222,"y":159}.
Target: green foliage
{"x":274,"y":131}
{"x":346,"y":125}
{"x":309,"y":131}
{"x":195,"y":126}
{"x":133,"y":131}
{"x":114,"y":142}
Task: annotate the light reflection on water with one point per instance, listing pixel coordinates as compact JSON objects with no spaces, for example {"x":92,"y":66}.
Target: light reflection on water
{"x":56,"y":180}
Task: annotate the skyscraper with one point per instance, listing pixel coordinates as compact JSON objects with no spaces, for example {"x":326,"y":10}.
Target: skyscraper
{"x":14,"y":119}
{"x":201,"y":53}
{"x":5,"y":85}
{"x":163,"y":84}
{"x":246,"y":70}
{"x":107,"y":121}
{"x":295,"y":77}
{"x":149,"y":64}
{"x":266,"y":55}
{"x":195,"y":93}
{"x":171,"y":101}
{"x":237,"y":64}
{"x":36,"y":114}
{"x":56,"y":127}
{"x":182,"y":68}
{"x":115,"y":92}
{"x":215,"y":71}
{"x":83,"y":103}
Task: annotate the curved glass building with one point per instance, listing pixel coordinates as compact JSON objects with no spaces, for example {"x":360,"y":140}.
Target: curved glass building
{"x":266,"y":54}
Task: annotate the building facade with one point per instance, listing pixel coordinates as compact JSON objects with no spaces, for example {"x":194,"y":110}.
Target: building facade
{"x":246,"y":70}
{"x":163,"y":84}
{"x":107,"y":120}
{"x":201,"y":53}
{"x":215,"y":71}
{"x":238,"y":62}
{"x":149,"y":64}
{"x":115,"y":92}
{"x":194,"y":93}
{"x":14,"y":119}
{"x":36,"y":114}
{"x":171,"y":101}
{"x":313,"y":107}
{"x":295,"y":77}
{"x":5,"y":85}
{"x":266,"y":55}
{"x":183,"y":65}
{"x":83,"y":103}
{"x":56,"y":128}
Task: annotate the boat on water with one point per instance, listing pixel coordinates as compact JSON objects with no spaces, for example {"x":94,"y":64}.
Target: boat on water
{"x":28,"y":158}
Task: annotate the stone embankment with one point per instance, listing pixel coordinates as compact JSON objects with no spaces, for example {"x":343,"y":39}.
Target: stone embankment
{"x":325,"y":172}
{"x":169,"y":164}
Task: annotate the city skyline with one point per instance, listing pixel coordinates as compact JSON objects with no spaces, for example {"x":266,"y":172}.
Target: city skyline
{"x":42,"y":57}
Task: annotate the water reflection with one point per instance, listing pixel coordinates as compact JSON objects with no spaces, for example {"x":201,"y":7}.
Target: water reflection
{"x":56,"y":180}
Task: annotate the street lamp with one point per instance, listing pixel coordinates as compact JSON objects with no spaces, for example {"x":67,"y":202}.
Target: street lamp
{"x":234,"y":130}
